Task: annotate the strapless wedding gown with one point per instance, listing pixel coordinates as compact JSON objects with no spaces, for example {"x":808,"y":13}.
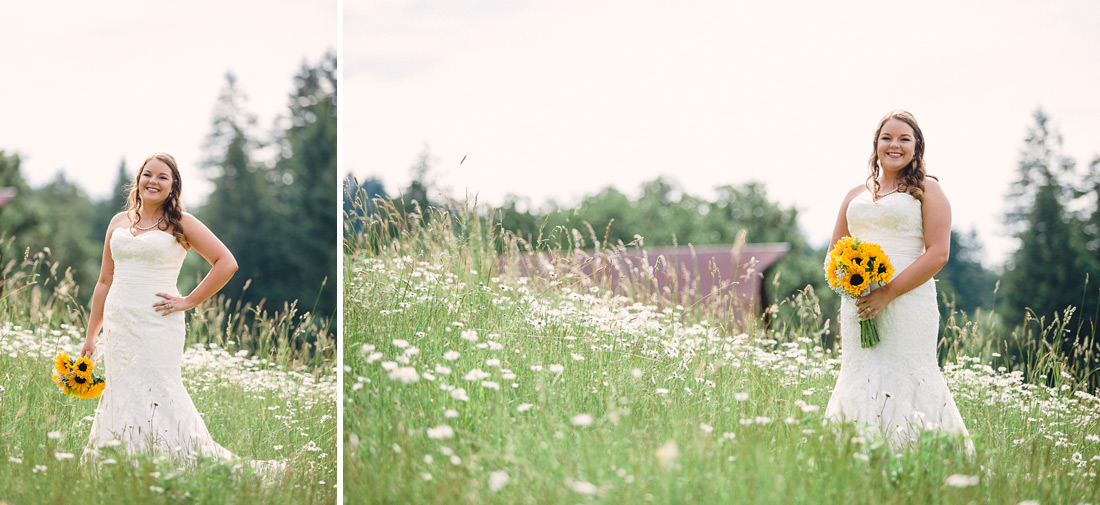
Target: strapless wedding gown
{"x":894,"y":388}
{"x":144,"y":407}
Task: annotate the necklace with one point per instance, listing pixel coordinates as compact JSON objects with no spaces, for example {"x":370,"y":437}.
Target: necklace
{"x":884,"y":195}
{"x":154,"y":225}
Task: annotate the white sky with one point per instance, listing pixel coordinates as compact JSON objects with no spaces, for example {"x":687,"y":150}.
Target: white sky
{"x":86,"y":84}
{"x":559,"y":99}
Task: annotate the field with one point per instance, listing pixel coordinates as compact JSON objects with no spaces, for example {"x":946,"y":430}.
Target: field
{"x":262,"y":394}
{"x":466,"y":382}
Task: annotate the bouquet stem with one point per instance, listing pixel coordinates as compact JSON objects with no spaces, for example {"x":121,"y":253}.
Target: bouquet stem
{"x":868,"y":335}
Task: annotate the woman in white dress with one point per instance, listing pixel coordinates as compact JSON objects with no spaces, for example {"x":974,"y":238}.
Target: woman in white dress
{"x":896,"y":387}
{"x":144,"y":407}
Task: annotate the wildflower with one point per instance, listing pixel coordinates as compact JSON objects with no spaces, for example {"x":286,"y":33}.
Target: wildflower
{"x":452,"y":413}
{"x":460,"y":395}
{"x":374,"y":356}
{"x":442,"y":370}
{"x":536,"y":368}
{"x":53,"y":435}
{"x":399,"y":343}
{"x":667,"y":454}
{"x":959,"y":480}
{"x":455,"y":460}
{"x":425,"y":476}
{"x":497,"y":480}
{"x":469,"y":335}
{"x":407,"y":375}
{"x":582,"y":420}
{"x":450,"y":355}
{"x":441,"y":432}
{"x":366,"y":349}
{"x":492,"y":362}
{"x":582,"y":487}
{"x":558,"y":369}
{"x":577,"y":357}
{"x":636,"y":373}
{"x":428,"y":459}
{"x":741,"y":397}
{"x":475,"y":375}
{"x":662,"y":391}
{"x":490,"y":385}
{"x":524,"y":407}
{"x":706,"y":427}
{"x":61,"y":456}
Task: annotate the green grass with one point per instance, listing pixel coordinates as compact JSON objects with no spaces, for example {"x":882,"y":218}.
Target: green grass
{"x":262,"y":397}
{"x":681,"y":410}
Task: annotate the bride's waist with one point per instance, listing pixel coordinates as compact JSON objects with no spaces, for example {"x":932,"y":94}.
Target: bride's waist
{"x":159,"y":282}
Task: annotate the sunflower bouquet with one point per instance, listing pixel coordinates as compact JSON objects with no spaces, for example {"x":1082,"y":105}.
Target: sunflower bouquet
{"x":853,"y":268}
{"x":74,"y":377}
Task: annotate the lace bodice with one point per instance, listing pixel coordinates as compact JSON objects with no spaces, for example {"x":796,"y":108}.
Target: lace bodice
{"x":894,"y":222}
{"x":153,"y":257}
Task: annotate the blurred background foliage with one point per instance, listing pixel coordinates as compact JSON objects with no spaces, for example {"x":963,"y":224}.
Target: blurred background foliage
{"x":273,"y":204}
{"x":1054,"y":212}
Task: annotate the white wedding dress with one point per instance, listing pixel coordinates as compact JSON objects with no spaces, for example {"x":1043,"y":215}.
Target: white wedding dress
{"x":144,"y":407}
{"x":895,"y":388}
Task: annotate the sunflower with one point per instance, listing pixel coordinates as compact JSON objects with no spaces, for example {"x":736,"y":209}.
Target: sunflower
{"x":63,"y":363}
{"x":84,"y":364}
{"x":830,"y":271}
{"x":854,"y":257}
{"x":93,"y":390}
{"x":855,"y":280}
{"x":883,"y":272}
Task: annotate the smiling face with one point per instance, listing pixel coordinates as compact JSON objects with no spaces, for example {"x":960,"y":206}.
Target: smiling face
{"x":155,"y":182}
{"x":895,"y":145}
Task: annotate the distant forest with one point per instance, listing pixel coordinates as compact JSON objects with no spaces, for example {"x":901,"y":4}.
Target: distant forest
{"x":1054,"y":212}
{"x":275,"y":212}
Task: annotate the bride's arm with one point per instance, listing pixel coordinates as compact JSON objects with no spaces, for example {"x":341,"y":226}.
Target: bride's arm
{"x":223,"y":266}
{"x":102,"y":286}
{"x":936,"y":211}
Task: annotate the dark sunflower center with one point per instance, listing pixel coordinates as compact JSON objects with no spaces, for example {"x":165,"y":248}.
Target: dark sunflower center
{"x":882,"y":269}
{"x":857,"y":279}
{"x":858,"y":261}
{"x":79,"y":380}
{"x":83,"y":367}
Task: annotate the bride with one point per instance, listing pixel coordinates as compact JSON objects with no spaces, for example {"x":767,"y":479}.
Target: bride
{"x":145,"y":407}
{"x":896,"y":387}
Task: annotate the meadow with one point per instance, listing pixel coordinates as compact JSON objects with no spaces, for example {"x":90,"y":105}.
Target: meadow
{"x":264,"y":381}
{"x":466,"y":381}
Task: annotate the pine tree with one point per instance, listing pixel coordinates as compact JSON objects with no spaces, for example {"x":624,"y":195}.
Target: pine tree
{"x":308,"y":163}
{"x":1046,"y":274}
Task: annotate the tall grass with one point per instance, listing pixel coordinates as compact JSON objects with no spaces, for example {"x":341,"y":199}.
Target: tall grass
{"x":264,"y":394}
{"x":469,"y":378}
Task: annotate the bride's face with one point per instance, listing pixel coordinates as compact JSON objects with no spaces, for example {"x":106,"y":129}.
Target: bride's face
{"x":155,"y":182}
{"x":896,"y":143}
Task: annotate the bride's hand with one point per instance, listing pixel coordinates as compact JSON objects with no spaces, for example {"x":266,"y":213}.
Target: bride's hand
{"x":88,"y":348}
{"x":172,"y":304}
{"x":870,"y":304}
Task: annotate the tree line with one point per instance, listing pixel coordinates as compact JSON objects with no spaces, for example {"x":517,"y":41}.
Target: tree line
{"x":1054,"y":212}
{"x":272,"y":205}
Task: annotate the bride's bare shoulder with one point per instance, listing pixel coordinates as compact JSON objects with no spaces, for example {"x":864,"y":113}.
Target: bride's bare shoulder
{"x":854,"y":192}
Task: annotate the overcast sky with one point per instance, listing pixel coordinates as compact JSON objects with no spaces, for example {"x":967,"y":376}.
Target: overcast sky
{"x":87,"y":84}
{"x":555,"y":100}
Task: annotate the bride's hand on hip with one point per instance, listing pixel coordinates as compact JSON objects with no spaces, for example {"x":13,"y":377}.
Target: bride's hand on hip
{"x":870,"y":304}
{"x":172,"y":304}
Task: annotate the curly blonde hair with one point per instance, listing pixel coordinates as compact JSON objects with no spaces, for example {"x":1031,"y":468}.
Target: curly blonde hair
{"x":911,"y":178}
{"x":172,"y":207}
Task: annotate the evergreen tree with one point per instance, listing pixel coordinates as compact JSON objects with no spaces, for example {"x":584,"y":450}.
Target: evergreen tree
{"x":964,"y":282}
{"x":241,"y":209}
{"x":1047,"y":272}
{"x":308,"y":160}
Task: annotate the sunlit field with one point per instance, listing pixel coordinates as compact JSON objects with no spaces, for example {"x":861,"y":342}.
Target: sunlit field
{"x":466,"y":382}
{"x":263,"y":395}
